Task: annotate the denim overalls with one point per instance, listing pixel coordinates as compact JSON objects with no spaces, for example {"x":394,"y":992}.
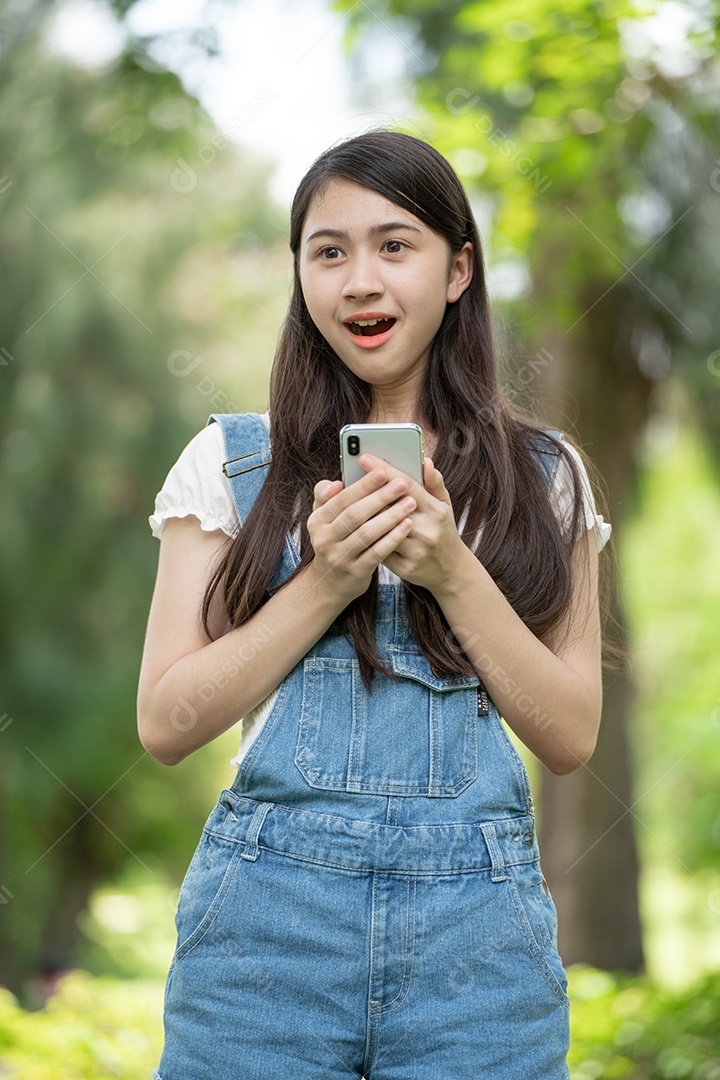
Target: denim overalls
{"x":367,"y":898}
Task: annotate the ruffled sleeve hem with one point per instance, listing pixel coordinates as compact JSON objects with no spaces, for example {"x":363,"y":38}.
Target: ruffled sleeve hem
{"x":563,"y":499}
{"x":196,"y":485}
{"x":602,"y":530}
{"x":208,"y":523}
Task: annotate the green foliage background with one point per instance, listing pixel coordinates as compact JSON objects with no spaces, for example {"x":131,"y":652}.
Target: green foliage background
{"x":132,"y":310}
{"x":109,"y":270}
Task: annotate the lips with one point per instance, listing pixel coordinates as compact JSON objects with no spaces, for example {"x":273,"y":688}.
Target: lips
{"x":370,"y":329}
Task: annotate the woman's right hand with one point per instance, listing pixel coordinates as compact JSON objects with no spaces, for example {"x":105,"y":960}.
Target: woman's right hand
{"x":354,"y":529}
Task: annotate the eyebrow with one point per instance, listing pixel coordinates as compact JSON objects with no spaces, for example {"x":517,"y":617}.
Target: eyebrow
{"x":376,"y":230}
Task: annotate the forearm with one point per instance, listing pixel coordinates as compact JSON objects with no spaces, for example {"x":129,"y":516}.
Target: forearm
{"x":541,"y":697}
{"x":207,"y":691}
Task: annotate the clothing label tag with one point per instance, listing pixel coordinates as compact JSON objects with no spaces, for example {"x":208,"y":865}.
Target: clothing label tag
{"x":483,"y":704}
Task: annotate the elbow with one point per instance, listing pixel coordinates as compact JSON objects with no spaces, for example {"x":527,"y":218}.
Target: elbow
{"x":566,"y":765}
{"x":576,"y":751}
{"x":164,"y":751}
{"x":166,"y":755}
{"x":162,"y":733}
{"x":572,"y":757}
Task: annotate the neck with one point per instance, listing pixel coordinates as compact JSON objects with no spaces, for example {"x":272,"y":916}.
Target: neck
{"x":394,"y":409}
{"x":408,"y":415}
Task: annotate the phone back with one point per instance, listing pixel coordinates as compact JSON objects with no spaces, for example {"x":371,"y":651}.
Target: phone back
{"x":398,"y":444}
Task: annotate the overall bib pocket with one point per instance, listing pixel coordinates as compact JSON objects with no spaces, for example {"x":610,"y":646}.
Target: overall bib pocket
{"x":422,"y":741}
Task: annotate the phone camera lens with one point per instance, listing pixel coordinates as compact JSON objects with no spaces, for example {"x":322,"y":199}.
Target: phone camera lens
{"x":353,"y":445}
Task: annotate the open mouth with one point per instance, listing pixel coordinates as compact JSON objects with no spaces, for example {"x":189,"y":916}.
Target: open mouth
{"x":370,"y":327}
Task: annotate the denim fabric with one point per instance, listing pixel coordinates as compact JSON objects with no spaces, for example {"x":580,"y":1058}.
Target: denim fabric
{"x":367,"y":899}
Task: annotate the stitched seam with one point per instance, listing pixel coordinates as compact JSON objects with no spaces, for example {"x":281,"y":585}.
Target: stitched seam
{"x":381,"y":869}
{"x":372,"y":1013}
{"x":307,"y":762}
{"x":378,"y":869}
{"x":514,"y":821}
{"x":511,"y":819}
{"x":245,"y":767}
{"x":353,"y":779}
{"x":516,"y":762}
{"x":404,"y":989}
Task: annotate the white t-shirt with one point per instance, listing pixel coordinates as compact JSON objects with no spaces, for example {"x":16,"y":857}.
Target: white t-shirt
{"x":197,"y":486}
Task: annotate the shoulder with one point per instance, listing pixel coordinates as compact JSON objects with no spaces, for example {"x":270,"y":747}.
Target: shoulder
{"x":566,"y":477}
{"x":571,"y":481}
{"x":197,"y":485}
{"x":230,"y":423}
{"x":202,"y":458}
{"x":545,"y":447}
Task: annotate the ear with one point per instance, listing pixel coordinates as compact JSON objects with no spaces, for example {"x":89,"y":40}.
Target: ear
{"x":461,"y":272}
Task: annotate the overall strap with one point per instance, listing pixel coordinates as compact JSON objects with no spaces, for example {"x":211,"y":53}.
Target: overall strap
{"x":248,"y":455}
{"x":546,"y":455}
{"x":247,"y":451}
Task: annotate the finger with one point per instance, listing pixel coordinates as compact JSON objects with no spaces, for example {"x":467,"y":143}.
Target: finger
{"x":370,"y":461}
{"x":325,"y":490}
{"x":435,"y":483}
{"x":388,"y":543}
{"x":359,"y":540}
{"x":375,"y":512}
{"x":339,"y":498}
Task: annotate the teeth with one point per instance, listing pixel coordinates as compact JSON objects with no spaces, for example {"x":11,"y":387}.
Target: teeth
{"x":370,"y":322}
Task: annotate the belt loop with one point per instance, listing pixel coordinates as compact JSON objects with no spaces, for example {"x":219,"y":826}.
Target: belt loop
{"x":256,"y":824}
{"x":496,"y":859}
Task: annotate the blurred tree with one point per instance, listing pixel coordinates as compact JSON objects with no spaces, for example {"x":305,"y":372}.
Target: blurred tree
{"x":588,"y":136}
{"x":126,"y":254}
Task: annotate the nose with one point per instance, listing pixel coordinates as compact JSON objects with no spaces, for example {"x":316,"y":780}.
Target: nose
{"x":363,"y":278}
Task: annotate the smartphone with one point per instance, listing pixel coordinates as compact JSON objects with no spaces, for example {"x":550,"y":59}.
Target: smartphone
{"x":398,"y":444}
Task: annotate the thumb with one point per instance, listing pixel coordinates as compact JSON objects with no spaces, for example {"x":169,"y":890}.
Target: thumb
{"x":433,"y":477}
{"x":434,"y":482}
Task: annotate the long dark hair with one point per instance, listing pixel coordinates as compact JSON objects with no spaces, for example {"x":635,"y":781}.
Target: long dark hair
{"x":483,"y":440}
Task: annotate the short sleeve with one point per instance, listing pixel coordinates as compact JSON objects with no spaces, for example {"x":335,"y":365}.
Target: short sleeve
{"x":562,"y":497}
{"x":197,"y":485}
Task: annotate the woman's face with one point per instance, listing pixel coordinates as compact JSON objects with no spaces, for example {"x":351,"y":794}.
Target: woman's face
{"x":362,"y":260}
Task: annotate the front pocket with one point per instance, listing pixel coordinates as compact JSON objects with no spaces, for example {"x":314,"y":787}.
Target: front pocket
{"x":414,"y":735}
{"x":204,"y":889}
{"x":537,"y":916}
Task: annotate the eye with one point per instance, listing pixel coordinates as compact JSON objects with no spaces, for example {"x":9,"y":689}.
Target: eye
{"x":330,"y":252}
{"x":394,"y":247}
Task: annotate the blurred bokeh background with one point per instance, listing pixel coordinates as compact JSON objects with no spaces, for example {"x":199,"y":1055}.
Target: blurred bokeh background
{"x":150,"y":149}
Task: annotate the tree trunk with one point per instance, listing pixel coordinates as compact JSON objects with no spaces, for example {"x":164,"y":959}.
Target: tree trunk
{"x":585,"y":824}
{"x":49,"y":944}
{"x":587,"y":841}
{"x":8,"y":966}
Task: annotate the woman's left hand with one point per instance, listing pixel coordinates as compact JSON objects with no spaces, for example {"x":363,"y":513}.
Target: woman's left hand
{"x":428,"y":554}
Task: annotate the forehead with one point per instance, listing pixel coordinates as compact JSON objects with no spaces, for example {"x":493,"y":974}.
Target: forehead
{"x":352,"y":208}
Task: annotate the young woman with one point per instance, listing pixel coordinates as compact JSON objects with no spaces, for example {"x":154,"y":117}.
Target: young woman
{"x":366,"y":898}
